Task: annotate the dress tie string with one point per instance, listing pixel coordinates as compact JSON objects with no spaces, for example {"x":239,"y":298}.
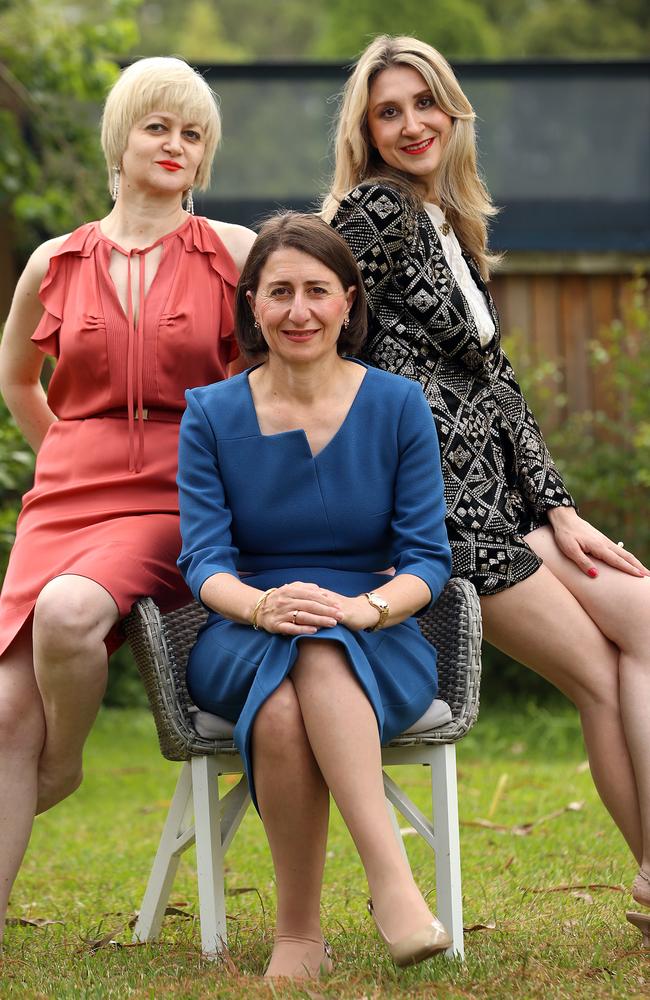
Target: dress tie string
{"x":135,"y":364}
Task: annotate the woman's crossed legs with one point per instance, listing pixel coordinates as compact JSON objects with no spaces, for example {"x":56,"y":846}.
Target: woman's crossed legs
{"x":318,"y":733}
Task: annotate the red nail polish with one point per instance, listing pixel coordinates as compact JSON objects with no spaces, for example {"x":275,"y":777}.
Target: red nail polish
{"x":593,"y":573}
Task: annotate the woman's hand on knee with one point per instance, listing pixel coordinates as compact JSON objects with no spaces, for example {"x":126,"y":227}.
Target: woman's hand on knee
{"x":299,"y":609}
{"x":582,"y":543}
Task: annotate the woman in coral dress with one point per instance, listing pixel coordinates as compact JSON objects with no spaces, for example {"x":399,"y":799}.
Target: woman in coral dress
{"x":136,"y":308}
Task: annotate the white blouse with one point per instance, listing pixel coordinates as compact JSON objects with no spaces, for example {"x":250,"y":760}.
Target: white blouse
{"x":454,"y":256}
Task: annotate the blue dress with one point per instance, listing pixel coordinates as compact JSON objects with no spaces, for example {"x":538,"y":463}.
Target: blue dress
{"x":263,"y":505}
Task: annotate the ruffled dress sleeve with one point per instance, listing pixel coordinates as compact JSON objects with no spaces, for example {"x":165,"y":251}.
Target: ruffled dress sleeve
{"x":53,"y":290}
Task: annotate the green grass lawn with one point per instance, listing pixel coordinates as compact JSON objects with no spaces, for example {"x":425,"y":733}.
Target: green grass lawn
{"x":89,"y":859}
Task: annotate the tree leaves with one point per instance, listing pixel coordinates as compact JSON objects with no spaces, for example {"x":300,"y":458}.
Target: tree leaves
{"x":57,"y":65}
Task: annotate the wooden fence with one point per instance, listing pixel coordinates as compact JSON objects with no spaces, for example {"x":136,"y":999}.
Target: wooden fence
{"x":556,"y":315}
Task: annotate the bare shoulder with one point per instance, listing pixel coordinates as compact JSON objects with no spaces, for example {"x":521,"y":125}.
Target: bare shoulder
{"x":237,"y":239}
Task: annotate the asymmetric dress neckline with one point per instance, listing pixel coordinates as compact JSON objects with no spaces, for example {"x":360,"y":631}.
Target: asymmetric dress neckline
{"x":298,"y":431}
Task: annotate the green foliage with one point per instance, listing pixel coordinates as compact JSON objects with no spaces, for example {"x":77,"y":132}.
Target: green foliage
{"x":569,"y":27}
{"x":202,"y":37}
{"x":124,"y":688}
{"x":56,"y":62}
{"x":338,"y":29}
{"x":231,"y":29}
{"x":456,"y":27}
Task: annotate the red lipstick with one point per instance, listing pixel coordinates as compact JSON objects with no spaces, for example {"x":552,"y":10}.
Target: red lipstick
{"x":169,"y":164}
{"x":415,"y":148}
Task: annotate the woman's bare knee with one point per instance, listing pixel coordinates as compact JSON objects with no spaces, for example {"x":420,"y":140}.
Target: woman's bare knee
{"x":279,"y":720}
{"x":617,"y":603}
{"x":68,"y":614}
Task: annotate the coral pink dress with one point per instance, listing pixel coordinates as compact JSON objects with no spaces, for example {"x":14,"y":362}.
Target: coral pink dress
{"x":104,"y":503}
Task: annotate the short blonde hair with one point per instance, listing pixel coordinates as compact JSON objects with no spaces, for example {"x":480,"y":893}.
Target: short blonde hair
{"x":160,"y":83}
{"x":459,"y":189}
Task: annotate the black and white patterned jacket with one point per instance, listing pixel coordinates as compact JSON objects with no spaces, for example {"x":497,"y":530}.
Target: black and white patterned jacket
{"x":499,"y":476}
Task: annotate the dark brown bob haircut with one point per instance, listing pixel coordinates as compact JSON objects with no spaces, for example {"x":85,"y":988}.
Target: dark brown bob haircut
{"x":311,"y":236}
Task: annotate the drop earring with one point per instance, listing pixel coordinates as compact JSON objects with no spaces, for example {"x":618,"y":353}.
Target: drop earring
{"x":189,"y":202}
{"x":115,"y":186}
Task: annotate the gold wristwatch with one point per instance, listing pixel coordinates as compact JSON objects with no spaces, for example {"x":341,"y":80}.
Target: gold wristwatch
{"x":381,"y":605}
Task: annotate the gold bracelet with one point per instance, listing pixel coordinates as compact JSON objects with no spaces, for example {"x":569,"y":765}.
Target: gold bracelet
{"x":258,"y":607}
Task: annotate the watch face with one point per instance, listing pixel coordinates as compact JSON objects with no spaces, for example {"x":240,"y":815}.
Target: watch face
{"x":378,"y":602}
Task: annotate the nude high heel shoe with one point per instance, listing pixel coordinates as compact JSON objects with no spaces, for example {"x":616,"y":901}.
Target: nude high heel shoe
{"x":415,"y":947}
{"x":642,"y":921}
{"x":641,"y":893}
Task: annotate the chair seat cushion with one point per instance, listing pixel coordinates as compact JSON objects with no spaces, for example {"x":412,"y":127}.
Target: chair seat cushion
{"x":437,"y":714}
{"x":213,"y":727}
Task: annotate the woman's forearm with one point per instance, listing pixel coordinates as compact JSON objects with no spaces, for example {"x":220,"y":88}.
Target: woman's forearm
{"x":28,"y":405}
{"x":230,"y":597}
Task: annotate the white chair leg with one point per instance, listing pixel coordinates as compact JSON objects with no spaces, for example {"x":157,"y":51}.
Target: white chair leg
{"x":209,"y":855}
{"x":177,"y":835}
{"x":444,"y":795}
{"x":233,"y":809}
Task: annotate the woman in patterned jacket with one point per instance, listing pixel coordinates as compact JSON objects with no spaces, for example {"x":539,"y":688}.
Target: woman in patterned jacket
{"x":556,"y":594}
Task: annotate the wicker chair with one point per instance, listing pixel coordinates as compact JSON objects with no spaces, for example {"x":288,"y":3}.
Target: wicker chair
{"x":161,"y":645}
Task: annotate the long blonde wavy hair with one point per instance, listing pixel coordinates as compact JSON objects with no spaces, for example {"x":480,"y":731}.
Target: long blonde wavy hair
{"x":458,"y":188}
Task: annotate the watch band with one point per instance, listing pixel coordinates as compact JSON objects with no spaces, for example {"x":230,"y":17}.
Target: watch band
{"x":381,"y":605}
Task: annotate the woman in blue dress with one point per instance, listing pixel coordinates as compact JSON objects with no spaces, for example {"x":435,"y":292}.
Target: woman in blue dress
{"x":302,"y":482}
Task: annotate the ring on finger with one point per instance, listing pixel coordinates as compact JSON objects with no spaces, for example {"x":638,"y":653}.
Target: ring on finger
{"x":621,"y":545}
{"x":294,"y":615}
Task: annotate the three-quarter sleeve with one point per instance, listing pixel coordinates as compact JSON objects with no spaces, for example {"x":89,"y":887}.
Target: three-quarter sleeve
{"x":419,"y":537}
{"x":205,"y":516}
